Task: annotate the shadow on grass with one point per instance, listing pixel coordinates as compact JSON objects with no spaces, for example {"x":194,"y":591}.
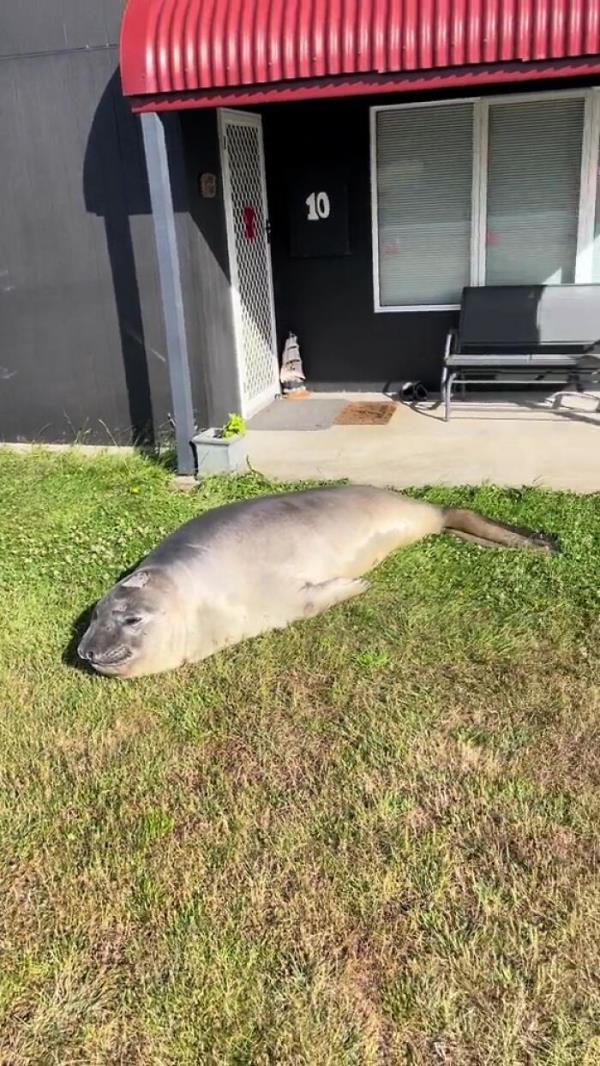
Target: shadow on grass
{"x":69,"y":656}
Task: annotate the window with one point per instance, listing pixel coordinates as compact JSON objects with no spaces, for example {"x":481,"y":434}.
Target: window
{"x":534,"y":168}
{"x":424,"y":183}
{"x":484,"y":192}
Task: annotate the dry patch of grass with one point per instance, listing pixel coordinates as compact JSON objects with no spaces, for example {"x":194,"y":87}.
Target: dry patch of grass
{"x":369,"y":839}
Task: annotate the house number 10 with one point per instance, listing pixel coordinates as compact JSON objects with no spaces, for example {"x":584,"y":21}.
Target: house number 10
{"x":318,"y":206}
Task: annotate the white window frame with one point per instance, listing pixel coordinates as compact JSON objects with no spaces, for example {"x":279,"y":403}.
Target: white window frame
{"x":481,"y":105}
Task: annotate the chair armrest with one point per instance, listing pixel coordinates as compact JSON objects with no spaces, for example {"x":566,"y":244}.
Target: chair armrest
{"x":450,"y":342}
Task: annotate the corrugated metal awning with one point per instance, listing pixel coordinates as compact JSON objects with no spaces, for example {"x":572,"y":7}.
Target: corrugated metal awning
{"x":207,"y":52}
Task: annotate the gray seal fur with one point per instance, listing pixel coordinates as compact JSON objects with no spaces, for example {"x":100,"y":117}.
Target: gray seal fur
{"x":258,"y":565}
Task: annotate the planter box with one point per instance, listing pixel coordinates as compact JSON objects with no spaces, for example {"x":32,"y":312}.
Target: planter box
{"x":218,"y":455}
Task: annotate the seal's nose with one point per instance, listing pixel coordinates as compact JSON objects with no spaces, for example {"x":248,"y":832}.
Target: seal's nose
{"x":85,"y":653}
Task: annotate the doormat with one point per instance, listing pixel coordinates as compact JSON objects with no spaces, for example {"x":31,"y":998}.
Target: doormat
{"x":365,"y":413}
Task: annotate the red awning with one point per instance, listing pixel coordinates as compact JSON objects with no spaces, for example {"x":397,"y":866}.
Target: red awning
{"x":208,"y":52}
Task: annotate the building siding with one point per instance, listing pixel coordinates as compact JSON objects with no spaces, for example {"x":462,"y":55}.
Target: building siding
{"x":82,"y":348}
{"x":30,"y":27}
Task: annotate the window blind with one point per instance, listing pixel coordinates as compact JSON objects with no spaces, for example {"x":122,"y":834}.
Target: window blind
{"x":534,"y":163}
{"x":424,"y":192}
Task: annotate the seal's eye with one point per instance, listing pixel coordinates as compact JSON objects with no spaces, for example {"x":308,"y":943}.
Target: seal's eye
{"x":132,"y":620}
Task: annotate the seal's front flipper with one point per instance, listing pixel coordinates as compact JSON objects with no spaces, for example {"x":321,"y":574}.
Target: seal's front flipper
{"x":319,"y":598}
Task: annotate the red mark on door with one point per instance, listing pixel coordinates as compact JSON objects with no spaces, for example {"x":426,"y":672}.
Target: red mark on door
{"x":249,"y":223}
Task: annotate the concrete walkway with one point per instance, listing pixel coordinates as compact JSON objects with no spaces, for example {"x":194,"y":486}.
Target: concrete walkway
{"x":513,"y":441}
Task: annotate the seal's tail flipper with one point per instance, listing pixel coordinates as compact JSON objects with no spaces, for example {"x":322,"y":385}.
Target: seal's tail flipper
{"x":474,"y":527}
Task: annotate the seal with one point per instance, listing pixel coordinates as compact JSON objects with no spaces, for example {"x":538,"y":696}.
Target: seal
{"x":250,"y":567}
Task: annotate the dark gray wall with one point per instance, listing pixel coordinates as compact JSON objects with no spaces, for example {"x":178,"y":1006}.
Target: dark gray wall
{"x":328,"y":302}
{"x":41,"y":26}
{"x":82,"y":350}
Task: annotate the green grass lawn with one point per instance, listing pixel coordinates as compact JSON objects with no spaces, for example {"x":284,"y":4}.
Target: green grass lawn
{"x":369,"y":839}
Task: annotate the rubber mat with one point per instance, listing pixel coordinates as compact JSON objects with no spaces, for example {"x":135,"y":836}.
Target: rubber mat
{"x":365,"y":413}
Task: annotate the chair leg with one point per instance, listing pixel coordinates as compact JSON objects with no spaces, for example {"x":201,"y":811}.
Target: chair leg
{"x":443,"y":381}
{"x":448,"y":396}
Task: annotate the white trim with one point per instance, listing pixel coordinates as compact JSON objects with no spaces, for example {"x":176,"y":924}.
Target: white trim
{"x":374,"y":207}
{"x":587,"y":189}
{"x":415,"y":307}
{"x":489,"y":98}
{"x":479,"y":200}
{"x":222,"y":116}
{"x":426,"y":103}
{"x":588,"y":182}
{"x":593,"y":188}
{"x":239,"y":118}
{"x":515,"y":98}
{"x":227,"y":116}
{"x":275,"y":361}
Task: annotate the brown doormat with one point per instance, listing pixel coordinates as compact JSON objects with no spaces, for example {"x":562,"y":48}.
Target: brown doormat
{"x":365,"y":413}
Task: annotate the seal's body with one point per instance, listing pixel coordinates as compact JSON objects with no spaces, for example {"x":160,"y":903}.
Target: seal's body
{"x":258,"y":565}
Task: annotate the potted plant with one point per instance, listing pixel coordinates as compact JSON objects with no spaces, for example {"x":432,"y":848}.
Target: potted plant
{"x":222,"y":450}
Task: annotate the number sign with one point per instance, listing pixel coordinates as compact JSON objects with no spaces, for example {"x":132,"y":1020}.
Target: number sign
{"x":318,"y":208}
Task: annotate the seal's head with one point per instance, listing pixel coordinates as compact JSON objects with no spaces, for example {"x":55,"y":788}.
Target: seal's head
{"x":126,"y":634}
